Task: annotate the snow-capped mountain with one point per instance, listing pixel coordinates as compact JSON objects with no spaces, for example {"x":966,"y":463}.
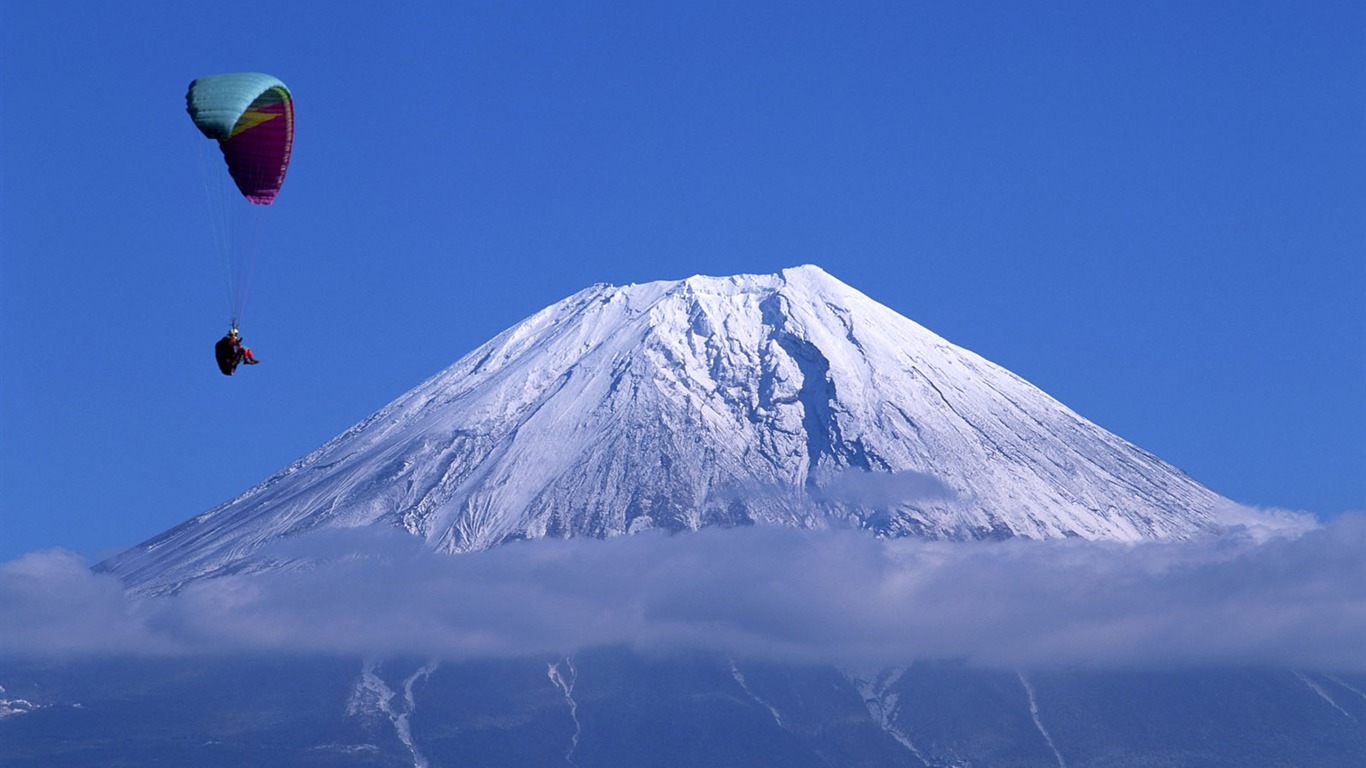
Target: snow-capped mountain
{"x":788,"y":399}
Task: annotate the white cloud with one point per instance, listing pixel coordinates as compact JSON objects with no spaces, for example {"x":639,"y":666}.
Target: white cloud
{"x":836,"y":596}
{"x":882,"y":489}
{"x":52,"y":605}
{"x":1264,"y":524}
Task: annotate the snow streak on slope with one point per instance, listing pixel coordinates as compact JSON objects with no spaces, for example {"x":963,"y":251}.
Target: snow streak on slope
{"x":744,"y":686}
{"x":563,"y":674}
{"x":1038,"y":722}
{"x":373,"y":695}
{"x":787,"y":399}
{"x":883,"y":704}
{"x":1318,"y":689}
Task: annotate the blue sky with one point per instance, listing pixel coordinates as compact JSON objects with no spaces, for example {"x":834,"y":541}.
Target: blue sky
{"x":1153,"y":211}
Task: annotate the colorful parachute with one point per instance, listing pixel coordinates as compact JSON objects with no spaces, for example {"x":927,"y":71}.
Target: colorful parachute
{"x":252,"y":117}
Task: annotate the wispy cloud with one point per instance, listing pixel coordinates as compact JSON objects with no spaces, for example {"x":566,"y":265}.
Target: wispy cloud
{"x":839,"y":596}
{"x":882,"y":489}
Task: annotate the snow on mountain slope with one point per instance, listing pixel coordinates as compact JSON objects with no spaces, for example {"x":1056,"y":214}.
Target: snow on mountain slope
{"x":787,"y":399}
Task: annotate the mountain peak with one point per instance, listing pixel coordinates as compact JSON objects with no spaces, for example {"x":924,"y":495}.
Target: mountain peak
{"x":787,"y":399}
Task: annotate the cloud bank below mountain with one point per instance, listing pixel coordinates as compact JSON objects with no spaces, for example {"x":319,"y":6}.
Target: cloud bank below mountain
{"x":1252,"y":596}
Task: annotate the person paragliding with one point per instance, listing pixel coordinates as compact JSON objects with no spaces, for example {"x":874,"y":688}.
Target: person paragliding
{"x":251,"y":117}
{"x":231,"y":352}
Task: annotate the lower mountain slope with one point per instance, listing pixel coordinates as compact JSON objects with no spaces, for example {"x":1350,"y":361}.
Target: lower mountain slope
{"x":612,"y":708}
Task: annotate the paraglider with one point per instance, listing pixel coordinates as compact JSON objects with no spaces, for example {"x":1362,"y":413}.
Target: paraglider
{"x":230,"y":353}
{"x":251,"y":116}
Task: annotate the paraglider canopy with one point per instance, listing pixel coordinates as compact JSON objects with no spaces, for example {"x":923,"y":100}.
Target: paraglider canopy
{"x":251,"y":115}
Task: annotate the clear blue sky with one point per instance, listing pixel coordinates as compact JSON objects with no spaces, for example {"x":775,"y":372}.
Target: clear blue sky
{"x":1155,"y":211}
